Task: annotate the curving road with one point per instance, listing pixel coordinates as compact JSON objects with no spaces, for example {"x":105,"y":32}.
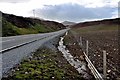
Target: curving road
{"x":15,"y":48}
{"x":9,"y":42}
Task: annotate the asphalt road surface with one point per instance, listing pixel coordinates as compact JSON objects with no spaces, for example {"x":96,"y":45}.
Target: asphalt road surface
{"x":9,"y":42}
{"x":10,"y":55}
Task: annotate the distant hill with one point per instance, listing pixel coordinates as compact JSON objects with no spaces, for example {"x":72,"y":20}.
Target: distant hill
{"x":67,"y":23}
{"x":17,"y":25}
{"x":91,"y":23}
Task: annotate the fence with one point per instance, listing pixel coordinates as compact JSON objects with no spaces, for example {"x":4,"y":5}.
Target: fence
{"x":91,"y":54}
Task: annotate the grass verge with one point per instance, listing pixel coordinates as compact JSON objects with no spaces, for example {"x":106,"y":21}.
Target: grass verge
{"x":45,"y":64}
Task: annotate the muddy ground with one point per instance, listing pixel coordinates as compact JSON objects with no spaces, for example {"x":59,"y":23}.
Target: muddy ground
{"x":99,"y":41}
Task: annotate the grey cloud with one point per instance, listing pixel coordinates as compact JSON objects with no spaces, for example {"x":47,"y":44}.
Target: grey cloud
{"x":74,"y":12}
{"x":14,"y":1}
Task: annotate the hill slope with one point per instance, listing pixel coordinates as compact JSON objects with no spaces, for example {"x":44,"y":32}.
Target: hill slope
{"x":66,"y":23}
{"x":104,"y":22}
{"x":16,"y":25}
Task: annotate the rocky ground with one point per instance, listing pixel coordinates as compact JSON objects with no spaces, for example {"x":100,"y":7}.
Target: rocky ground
{"x":103,"y":40}
{"x":107,"y":41}
{"x":45,"y":64}
{"x":76,"y":51}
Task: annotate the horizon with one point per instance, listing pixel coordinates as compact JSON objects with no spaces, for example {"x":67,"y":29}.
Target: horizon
{"x":62,"y":21}
{"x":60,"y":11}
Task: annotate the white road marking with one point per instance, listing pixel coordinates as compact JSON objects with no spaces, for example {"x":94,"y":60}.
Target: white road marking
{"x":7,"y":40}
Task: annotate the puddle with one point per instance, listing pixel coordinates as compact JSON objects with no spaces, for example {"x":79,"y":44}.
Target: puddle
{"x":80,"y":66}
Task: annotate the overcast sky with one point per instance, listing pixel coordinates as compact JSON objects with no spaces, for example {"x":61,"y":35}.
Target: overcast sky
{"x":62,"y":10}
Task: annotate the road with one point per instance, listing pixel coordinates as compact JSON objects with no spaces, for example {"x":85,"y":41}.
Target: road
{"x":10,"y":42}
{"x":14,"y":48}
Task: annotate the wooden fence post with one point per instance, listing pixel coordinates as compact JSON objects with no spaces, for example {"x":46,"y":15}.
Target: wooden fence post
{"x":87,"y":47}
{"x":104,"y":64}
{"x":81,"y":41}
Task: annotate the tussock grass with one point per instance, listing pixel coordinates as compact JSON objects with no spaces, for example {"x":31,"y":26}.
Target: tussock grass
{"x":45,"y":64}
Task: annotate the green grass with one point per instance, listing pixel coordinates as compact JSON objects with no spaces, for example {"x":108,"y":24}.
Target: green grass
{"x":44,"y":65}
{"x":9,"y":29}
{"x":42,"y":28}
{"x":96,"y":28}
{"x":23,"y":31}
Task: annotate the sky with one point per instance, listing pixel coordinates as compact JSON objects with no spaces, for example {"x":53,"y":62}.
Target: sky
{"x":62,"y":10}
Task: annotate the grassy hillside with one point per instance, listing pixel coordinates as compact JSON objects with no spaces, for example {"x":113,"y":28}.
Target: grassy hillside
{"x":115,"y":21}
{"x":101,"y":35}
{"x":68,"y":23}
{"x":15,"y":25}
{"x":96,"y":28}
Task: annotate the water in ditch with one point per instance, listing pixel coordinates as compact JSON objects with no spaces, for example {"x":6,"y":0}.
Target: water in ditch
{"x":80,"y":66}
